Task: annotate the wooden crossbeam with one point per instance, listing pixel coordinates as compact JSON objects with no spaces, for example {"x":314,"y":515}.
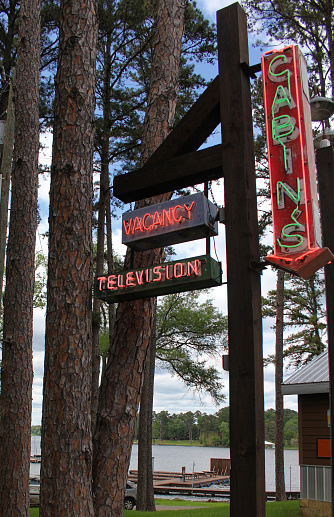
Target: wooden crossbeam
{"x":176,"y":173}
{"x":189,"y":134}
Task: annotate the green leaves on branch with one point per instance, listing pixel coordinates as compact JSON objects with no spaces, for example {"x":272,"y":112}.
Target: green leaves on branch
{"x":308,"y":24}
{"x":190,"y":336}
{"x":304,"y":315}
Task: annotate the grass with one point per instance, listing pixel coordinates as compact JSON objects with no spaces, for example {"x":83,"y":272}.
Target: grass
{"x":283,"y":509}
{"x":184,"y":443}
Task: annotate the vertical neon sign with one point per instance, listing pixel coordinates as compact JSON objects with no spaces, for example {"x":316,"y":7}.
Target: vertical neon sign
{"x":296,"y":220}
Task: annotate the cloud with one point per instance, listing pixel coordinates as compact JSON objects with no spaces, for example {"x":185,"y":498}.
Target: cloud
{"x":170,"y":394}
{"x":209,"y":7}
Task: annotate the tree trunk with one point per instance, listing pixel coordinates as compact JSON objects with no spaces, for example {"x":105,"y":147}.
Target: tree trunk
{"x":66,"y":422}
{"x":121,"y":386}
{"x":17,"y":372}
{"x":279,"y":441}
{"x":6,"y":168}
{"x":110,"y":261}
{"x":104,"y":186}
{"x":145,"y":493}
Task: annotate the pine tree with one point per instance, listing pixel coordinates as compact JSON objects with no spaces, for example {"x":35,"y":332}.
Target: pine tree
{"x":121,"y":387}
{"x":304,"y":314}
{"x":66,"y":423}
{"x":17,"y":373}
{"x":125,"y":50}
{"x":188,"y":332}
{"x":309,"y":24}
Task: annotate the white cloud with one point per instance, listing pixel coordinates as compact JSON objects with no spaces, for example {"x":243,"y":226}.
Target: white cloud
{"x":170,"y":395}
{"x":209,"y":7}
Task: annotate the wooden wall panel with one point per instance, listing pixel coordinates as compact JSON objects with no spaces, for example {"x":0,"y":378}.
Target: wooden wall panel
{"x":312,"y":425}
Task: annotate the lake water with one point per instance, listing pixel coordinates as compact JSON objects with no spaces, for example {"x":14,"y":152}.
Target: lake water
{"x":174,"y":457}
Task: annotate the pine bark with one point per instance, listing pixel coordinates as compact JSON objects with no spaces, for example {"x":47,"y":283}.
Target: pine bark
{"x":6,"y":170}
{"x":279,"y":436}
{"x":145,"y":489}
{"x":17,"y":372}
{"x":66,"y":422}
{"x":121,"y":386}
{"x":101,"y":224}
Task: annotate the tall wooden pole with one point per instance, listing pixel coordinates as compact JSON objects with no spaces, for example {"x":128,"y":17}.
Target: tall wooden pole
{"x":325,"y":169}
{"x":242,"y":252}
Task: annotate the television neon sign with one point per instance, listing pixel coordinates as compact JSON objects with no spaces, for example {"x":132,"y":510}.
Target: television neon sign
{"x":296,"y":220}
{"x":170,"y":277}
{"x":180,"y":220}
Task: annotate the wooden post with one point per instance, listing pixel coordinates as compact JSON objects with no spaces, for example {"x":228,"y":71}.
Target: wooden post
{"x":242,"y":252}
{"x":325,"y":169}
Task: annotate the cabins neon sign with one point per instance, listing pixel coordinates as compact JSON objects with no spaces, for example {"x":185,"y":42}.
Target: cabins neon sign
{"x":180,"y":220}
{"x":171,"y":277}
{"x":296,"y":221}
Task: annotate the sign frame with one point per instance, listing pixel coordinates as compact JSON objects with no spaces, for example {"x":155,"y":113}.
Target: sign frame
{"x":295,"y":209}
{"x":158,"y":280}
{"x":171,"y":222}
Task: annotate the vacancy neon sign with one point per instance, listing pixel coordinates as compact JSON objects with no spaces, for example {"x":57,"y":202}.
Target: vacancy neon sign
{"x":179,"y":220}
{"x":149,"y":221}
{"x":171,"y":277}
{"x":295,"y":210}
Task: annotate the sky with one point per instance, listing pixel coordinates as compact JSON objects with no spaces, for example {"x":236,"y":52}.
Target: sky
{"x":170,"y":394}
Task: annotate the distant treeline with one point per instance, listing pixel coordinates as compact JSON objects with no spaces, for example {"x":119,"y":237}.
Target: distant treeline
{"x":211,"y":430}
{"x":290,"y":427}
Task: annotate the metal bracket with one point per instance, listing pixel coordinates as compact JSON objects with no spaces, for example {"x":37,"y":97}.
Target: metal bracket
{"x":220,"y":217}
{"x":258,"y":267}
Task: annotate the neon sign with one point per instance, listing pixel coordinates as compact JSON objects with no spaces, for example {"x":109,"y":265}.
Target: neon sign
{"x":180,"y":220}
{"x":296,"y":220}
{"x":170,"y":277}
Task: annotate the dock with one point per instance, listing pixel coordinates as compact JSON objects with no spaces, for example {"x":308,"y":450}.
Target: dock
{"x":210,"y":484}
{"x":206,"y":484}
{"x":35,"y":458}
{"x":200,"y":484}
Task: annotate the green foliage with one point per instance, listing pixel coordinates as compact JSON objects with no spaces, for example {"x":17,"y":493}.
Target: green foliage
{"x":212,"y":430}
{"x":40,"y":280}
{"x":308,"y":24}
{"x":290,"y":427}
{"x":188,"y":333}
{"x":291,"y":431}
{"x":36,"y":430}
{"x":104,"y":343}
{"x":126,"y":42}
{"x":304,"y":314}
{"x":225,"y":434}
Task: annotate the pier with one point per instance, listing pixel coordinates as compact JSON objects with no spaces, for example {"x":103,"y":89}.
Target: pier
{"x":199,"y":484}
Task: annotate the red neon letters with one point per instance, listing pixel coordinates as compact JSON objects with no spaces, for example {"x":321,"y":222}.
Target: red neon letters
{"x":296,"y":222}
{"x":150,"y":221}
{"x":160,"y":273}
